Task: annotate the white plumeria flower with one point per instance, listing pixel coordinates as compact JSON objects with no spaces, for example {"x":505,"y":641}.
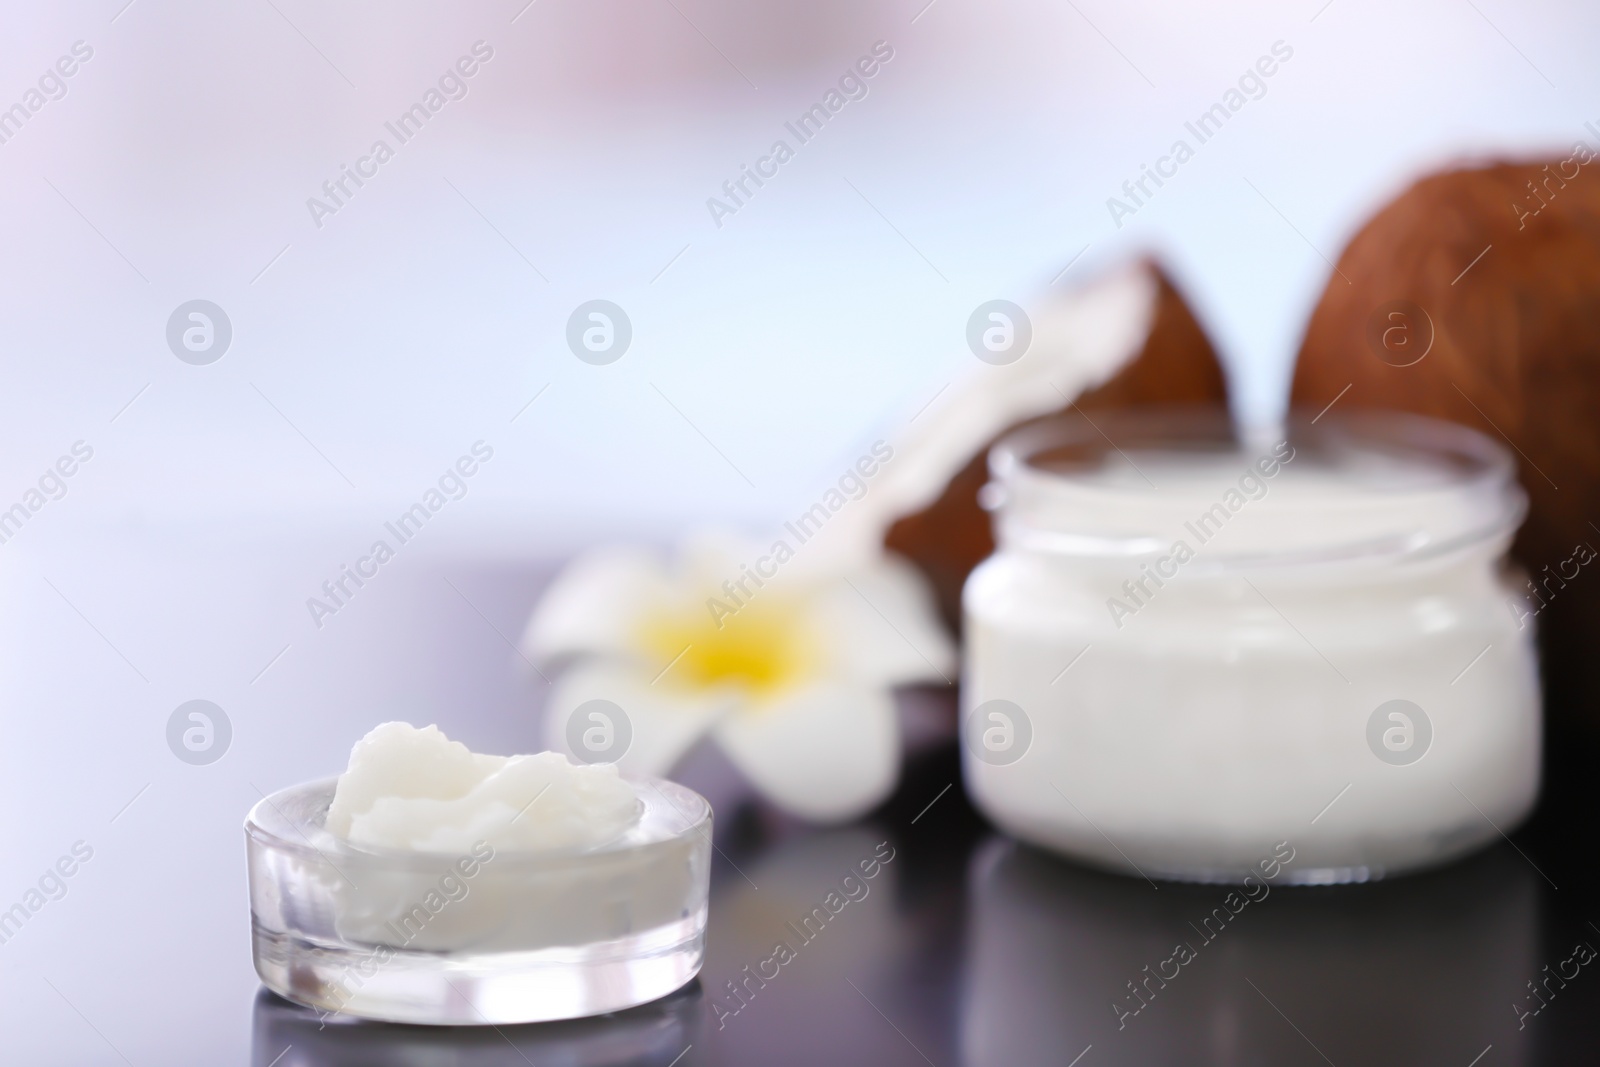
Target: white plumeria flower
{"x":790,"y":671}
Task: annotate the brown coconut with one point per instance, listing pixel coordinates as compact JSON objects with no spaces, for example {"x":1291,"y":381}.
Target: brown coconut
{"x":1175,"y":365}
{"x":1475,"y":297}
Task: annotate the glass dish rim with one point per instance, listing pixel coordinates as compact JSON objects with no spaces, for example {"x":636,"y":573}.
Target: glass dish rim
{"x":697,"y":821}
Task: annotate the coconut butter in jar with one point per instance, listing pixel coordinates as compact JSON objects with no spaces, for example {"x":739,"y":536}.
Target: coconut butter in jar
{"x":1187,"y":651}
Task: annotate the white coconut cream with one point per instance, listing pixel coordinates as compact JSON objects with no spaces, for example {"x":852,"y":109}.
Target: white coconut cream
{"x":1186,"y":650}
{"x":432,"y":884}
{"x":407,"y":788}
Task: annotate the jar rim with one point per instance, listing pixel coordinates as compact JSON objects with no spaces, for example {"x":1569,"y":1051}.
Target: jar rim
{"x":1370,"y":486}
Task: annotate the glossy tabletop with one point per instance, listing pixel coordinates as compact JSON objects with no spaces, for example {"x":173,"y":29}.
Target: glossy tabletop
{"x":965,"y":949}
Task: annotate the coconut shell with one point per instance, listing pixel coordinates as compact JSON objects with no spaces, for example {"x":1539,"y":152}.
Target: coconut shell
{"x":1176,"y":365}
{"x":1475,"y":297}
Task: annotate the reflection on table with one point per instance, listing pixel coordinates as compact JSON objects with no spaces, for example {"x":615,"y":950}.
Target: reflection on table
{"x":652,"y":1035}
{"x":1420,"y":969}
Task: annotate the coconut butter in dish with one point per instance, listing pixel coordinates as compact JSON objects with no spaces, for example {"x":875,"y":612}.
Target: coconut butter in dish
{"x":432,"y":884}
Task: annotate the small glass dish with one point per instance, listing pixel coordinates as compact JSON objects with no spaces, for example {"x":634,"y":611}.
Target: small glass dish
{"x":486,"y":937}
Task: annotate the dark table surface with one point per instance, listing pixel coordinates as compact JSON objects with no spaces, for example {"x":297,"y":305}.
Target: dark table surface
{"x":968,"y":949}
{"x":972,"y":949}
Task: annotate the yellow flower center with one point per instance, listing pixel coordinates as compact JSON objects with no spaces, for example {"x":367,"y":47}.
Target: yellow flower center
{"x":763,"y":648}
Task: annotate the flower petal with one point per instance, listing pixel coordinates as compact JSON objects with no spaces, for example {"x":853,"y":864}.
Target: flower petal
{"x":829,"y":752}
{"x":661,"y":723}
{"x":592,"y":605}
{"x":883,"y":625}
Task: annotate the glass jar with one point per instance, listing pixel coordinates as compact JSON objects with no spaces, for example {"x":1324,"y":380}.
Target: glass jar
{"x":1198,"y":659}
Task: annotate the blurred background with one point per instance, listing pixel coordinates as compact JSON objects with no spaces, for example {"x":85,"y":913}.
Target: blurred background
{"x":374,"y":344}
{"x":425,"y":313}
